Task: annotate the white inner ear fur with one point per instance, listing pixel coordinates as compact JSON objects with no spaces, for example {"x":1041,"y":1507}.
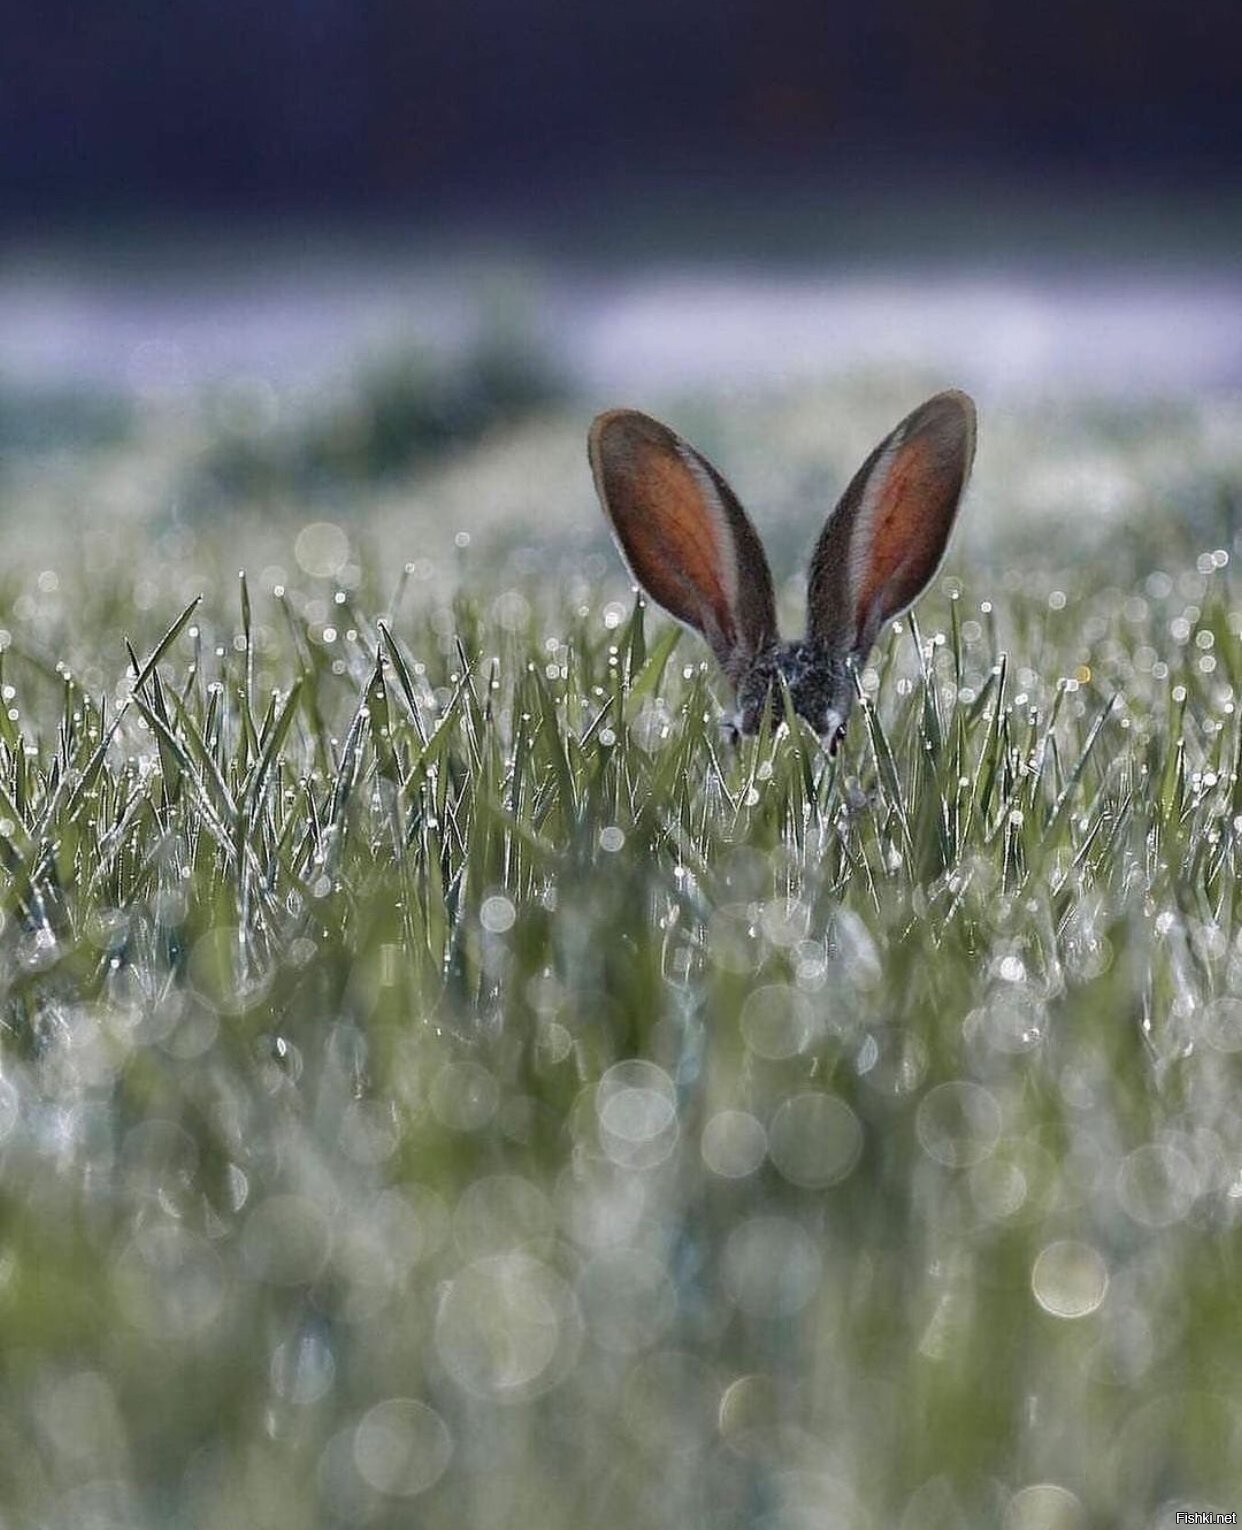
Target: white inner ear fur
{"x":862,"y":542}
{"x":721,"y":533}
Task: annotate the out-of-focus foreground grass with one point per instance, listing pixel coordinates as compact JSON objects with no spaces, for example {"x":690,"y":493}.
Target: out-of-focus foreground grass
{"x":443,"y":1085}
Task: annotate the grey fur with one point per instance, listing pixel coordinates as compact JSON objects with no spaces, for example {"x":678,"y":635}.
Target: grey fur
{"x":819,"y":680}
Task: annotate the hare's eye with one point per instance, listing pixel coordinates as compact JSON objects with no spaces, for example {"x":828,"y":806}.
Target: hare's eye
{"x":834,"y":740}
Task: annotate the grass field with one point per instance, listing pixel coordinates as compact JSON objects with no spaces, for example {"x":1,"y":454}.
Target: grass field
{"x":444,"y":1085}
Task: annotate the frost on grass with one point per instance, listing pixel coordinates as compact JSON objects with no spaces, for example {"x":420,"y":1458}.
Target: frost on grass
{"x":440,"y":1079}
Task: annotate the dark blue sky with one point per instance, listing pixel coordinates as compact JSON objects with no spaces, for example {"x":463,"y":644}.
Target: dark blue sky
{"x":166,"y":107}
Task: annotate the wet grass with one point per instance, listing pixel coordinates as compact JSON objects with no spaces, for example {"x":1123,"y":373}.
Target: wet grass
{"x":443,"y":1083}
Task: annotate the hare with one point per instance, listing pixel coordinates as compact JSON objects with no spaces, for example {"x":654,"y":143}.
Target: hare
{"x":693,"y":549}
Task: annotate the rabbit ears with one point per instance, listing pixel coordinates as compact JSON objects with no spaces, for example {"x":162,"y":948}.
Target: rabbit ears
{"x":884,"y":541}
{"x":690,"y":545}
{"x":685,"y":537}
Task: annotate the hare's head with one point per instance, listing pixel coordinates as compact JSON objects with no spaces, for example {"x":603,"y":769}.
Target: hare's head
{"x":692,"y":548}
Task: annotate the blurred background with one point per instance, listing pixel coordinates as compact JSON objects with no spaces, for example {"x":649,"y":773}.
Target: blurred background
{"x":326,"y":108}
{"x":253,"y":257}
{"x":329,"y":290}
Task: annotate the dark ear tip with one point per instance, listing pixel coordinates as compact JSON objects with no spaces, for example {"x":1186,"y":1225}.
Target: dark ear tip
{"x":606,"y":419}
{"x":953,"y":402}
{"x":601,"y":425}
{"x":953,"y":414}
{"x":618,"y":431}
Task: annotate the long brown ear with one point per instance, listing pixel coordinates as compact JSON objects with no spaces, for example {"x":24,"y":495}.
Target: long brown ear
{"x":884,"y":541}
{"x":686,"y":538}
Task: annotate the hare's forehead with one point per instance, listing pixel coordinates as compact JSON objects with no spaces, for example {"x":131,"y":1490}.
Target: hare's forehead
{"x":797,"y":662}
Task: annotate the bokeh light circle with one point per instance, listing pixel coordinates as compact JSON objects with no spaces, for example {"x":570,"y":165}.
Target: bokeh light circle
{"x":508,"y":1328}
{"x":1044,"y":1506}
{"x":958,"y":1123}
{"x":1069,"y":1279}
{"x":636,"y":1111}
{"x":733,"y":1144}
{"x":402,"y":1447}
{"x":1157,"y":1185}
{"x":771,"y":1266}
{"x":815,"y":1140}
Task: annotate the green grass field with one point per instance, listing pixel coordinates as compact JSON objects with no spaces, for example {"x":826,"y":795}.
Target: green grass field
{"x":445,"y":1086}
